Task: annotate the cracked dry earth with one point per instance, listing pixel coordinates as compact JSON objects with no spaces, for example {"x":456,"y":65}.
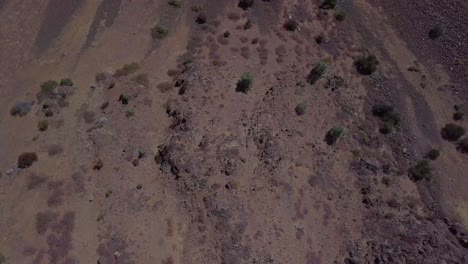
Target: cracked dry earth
{"x":167,"y":162}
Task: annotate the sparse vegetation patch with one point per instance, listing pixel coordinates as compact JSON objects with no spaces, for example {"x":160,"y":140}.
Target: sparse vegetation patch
{"x":437,"y":31}
{"x":388,"y":115}
{"x":334,"y":134}
{"x":245,"y":83}
{"x":317,"y":72}
{"x":452,"y":132}
{"x":463,"y":145}
{"x":159,"y":32}
{"x":366,"y":65}
{"x":21,"y":108}
{"x":245,"y":4}
{"x":141,"y":79}
{"x":124,"y":98}
{"x":66,"y":82}
{"x":301,"y":108}
{"x":329,"y":4}
{"x":43,"y":125}
{"x":340,"y":16}
{"x":175,"y":3}
{"x":127,"y":69}
{"x":26,"y":159}
{"x":420,"y":171}
{"x":291,"y":25}
{"x":432,"y":154}
{"x":48,"y":86}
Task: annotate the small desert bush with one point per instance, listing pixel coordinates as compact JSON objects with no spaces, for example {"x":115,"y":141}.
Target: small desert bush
{"x":175,"y":3}
{"x":366,"y":65}
{"x":141,"y":153}
{"x":420,"y":171}
{"x":26,"y":159}
{"x":248,"y":24}
{"x":317,"y":72}
{"x":437,"y":31}
{"x":463,"y":145}
{"x":124,"y":98}
{"x":320,"y":39}
{"x":329,"y":4}
{"x":291,"y":25}
{"x":197,"y":8}
{"x":388,"y":115}
{"x":165,"y":86}
{"x":334,"y":134}
{"x":141,"y":79}
{"x":130,"y":112}
{"x":127,"y":69}
{"x":245,"y":83}
{"x":432,"y":154}
{"x":340,"y":16}
{"x":452,"y":132}
{"x":245,"y":4}
{"x":201,"y":18}
{"x":66,"y":82}
{"x":49,"y":86}
{"x":301,"y":109}
{"x":43,"y":125}
{"x":21,"y":108}
{"x":457,"y":116}
{"x":159,"y":32}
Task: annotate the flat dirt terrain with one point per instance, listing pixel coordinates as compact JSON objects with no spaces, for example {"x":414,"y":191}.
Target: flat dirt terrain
{"x":227,"y":131}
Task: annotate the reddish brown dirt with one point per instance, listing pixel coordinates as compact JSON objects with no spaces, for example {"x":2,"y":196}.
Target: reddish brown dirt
{"x":170,"y":163}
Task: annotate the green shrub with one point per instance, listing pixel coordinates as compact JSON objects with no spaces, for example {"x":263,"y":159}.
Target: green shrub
{"x":387,"y":128}
{"x":130,"y":112}
{"x":367,"y":65}
{"x":317,"y":72}
{"x":334,"y":134}
{"x":420,"y":171}
{"x":437,"y":31}
{"x":457,"y":116}
{"x":452,"y":132}
{"x":141,"y":153}
{"x":340,"y":16}
{"x":49,"y":86}
{"x":159,"y":32}
{"x":124,"y":98}
{"x":43,"y":125}
{"x":175,"y":3}
{"x":245,"y":4}
{"x":463,"y":145}
{"x":301,"y":108}
{"x":432,"y":154}
{"x":127,"y":69}
{"x":291,"y":25}
{"x":66,"y":82}
{"x":329,"y":4}
{"x":245,"y":83}
{"x":320,"y":39}
{"x":388,"y":115}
